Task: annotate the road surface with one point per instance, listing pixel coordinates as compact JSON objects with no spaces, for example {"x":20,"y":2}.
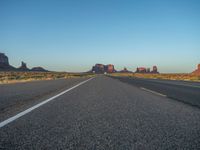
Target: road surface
{"x":16,"y":97}
{"x":184,"y":91}
{"x":102,"y":113}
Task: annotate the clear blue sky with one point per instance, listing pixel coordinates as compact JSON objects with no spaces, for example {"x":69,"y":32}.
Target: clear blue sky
{"x":73,"y":35}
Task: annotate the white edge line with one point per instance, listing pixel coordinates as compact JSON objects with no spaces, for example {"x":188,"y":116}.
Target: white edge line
{"x":154,"y":92}
{"x":11,"y":119}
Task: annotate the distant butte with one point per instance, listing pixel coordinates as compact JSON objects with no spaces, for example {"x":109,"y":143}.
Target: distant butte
{"x":146,"y":70}
{"x":5,"y":66}
{"x":23,"y":67}
{"x":100,"y":68}
{"x":4,"y":63}
{"x":39,"y":69}
{"x":197,"y":71}
{"x":125,"y":70}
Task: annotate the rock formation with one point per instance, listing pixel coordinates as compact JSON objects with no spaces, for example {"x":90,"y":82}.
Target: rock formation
{"x":3,"y":60}
{"x":39,"y":69}
{"x":4,"y":63}
{"x":141,"y":70}
{"x":155,"y":69}
{"x":146,"y":70}
{"x":23,"y":67}
{"x":100,"y":68}
{"x":197,"y":71}
{"x":125,"y":70}
{"x":109,"y":68}
{"x":5,"y":66}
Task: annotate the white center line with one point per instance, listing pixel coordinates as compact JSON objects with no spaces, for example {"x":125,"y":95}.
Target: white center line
{"x":11,"y":119}
{"x":154,"y":92}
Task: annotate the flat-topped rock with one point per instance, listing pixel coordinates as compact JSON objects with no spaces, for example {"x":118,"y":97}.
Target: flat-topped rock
{"x":100,"y":68}
{"x":3,"y":60}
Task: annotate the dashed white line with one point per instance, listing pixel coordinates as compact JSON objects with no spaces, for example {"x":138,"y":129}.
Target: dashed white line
{"x":11,"y":119}
{"x":154,"y":92}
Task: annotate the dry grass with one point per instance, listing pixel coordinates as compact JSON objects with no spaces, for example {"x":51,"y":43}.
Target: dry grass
{"x":15,"y":77}
{"x":174,"y":76}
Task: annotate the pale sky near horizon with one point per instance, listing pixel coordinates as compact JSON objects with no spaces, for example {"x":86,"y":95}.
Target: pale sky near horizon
{"x":73,"y":35}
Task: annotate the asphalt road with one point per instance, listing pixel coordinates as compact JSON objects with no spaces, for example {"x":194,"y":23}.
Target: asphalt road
{"x":16,"y":97}
{"x":184,"y":91}
{"x":105,"y":113}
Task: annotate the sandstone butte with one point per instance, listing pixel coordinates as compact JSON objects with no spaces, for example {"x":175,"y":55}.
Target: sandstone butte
{"x":197,"y":71}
